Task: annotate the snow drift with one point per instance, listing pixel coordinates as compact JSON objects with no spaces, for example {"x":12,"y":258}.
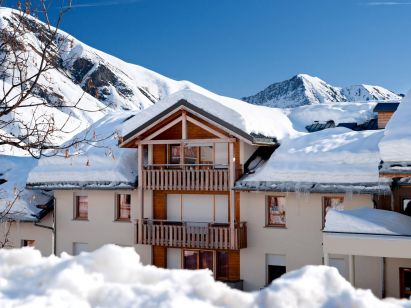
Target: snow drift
{"x":114,"y":277}
{"x":396,"y":144}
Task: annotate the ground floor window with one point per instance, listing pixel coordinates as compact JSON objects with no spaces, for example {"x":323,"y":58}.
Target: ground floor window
{"x":274,"y":272}
{"x":79,"y":248}
{"x":216,"y":261}
{"x":27,"y":243}
{"x":405,"y":282}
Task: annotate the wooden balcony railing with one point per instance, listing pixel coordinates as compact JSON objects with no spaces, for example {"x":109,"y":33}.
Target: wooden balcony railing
{"x":185,"y":177}
{"x":192,"y":235}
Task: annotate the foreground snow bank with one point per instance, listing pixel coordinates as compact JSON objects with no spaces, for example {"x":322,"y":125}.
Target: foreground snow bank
{"x":114,"y":277}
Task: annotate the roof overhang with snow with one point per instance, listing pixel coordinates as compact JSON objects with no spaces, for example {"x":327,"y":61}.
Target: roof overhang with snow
{"x":358,"y":188}
{"x":182,"y":104}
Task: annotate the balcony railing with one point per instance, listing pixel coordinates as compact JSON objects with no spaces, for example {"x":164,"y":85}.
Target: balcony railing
{"x":186,"y":177}
{"x":193,"y":235}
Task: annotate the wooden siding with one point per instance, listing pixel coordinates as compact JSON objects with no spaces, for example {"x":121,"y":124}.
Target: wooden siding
{"x":159,"y":256}
{"x":234,"y":265}
{"x":383,"y":118}
{"x":400,"y":193}
{"x":159,"y":205}
{"x":159,"y":154}
{"x":382,"y":202}
{"x":172,"y":133}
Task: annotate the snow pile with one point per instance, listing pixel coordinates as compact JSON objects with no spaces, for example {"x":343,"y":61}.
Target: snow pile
{"x":114,"y":277}
{"x":338,"y":112}
{"x":20,"y":202}
{"x":396,"y":144}
{"x":369,"y":221}
{"x":98,"y":163}
{"x":336,"y":155}
{"x":251,"y":119}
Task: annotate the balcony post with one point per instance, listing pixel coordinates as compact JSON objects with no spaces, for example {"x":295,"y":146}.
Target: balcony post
{"x":232,"y":194}
{"x":140,"y":162}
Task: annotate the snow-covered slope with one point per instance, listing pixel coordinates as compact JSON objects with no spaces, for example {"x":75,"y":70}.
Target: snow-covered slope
{"x":108,"y":83}
{"x":396,"y":144}
{"x":304,"y":89}
{"x":114,"y":277}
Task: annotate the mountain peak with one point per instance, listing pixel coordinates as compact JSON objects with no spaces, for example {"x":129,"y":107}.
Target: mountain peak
{"x":304,"y":89}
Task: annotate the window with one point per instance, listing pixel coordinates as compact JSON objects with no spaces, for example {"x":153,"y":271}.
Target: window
{"x":335,"y":203}
{"x":123,"y":206}
{"x":174,"y":154}
{"x":201,"y":259}
{"x":275,"y":211}
{"x":405,"y":282}
{"x":274,"y":272}
{"x":406,"y":206}
{"x":276,"y":266}
{"x":27,"y":243}
{"x":81,"y":210}
{"x":192,"y":154}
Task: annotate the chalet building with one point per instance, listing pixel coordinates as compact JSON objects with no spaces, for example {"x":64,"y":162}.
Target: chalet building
{"x":216,"y":183}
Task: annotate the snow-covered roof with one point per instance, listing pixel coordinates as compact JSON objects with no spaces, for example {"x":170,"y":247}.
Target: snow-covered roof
{"x":336,"y":158}
{"x":13,"y":195}
{"x":98,"y":164}
{"x":113,"y":276}
{"x":395,"y":146}
{"x":368,"y":221}
{"x":250,"y":119}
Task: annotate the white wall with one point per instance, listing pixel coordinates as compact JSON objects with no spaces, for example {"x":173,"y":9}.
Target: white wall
{"x":101,"y":227}
{"x":28,"y":231}
{"x":300,"y":242}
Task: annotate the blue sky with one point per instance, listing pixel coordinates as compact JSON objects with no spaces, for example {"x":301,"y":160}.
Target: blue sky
{"x":238,"y":47}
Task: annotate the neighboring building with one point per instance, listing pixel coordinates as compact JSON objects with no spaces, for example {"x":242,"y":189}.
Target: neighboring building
{"x":199,"y":182}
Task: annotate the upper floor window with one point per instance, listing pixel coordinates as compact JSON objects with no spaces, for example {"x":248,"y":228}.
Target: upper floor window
{"x":275,"y":211}
{"x":123,"y":206}
{"x":335,"y":203}
{"x":191,"y":154}
{"x":81,"y":207}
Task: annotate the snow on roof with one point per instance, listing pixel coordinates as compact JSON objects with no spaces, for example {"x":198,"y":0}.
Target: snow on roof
{"x":96,"y":164}
{"x":334,"y":156}
{"x":14,"y":171}
{"x":368,"y":221}
{"x":396,"y":144}
{"x":251,"y":119}
{"x":113,"y":276}
{"x":357,"y":112}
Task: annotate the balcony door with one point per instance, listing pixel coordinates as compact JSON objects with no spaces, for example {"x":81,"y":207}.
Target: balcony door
{"x":405,"y":282}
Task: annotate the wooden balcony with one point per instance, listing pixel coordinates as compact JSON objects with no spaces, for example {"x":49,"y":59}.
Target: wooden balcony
{"x":186,"y":177}
{"x":192,"y":234}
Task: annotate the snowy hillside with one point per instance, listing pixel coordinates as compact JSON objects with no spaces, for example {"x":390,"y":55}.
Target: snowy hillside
{"x":304,"y":89}
{"x":114,"y":277}
{"x":104,"y":83}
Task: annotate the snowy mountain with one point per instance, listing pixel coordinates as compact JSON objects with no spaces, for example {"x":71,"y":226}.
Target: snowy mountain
{"x":304,"y":89}
{"x":102,"y":82}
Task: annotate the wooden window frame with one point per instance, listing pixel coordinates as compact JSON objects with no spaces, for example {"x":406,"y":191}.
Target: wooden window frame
{"x":77,"y":208}
{"x":183,"y":159}
{"x":268,"y":214}
{"x":118,"y":208}
{"x":403,"y":294}
{"x":324,"y":207}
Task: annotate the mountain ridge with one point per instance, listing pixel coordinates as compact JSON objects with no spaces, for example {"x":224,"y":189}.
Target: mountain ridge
{"x":303,"y":89}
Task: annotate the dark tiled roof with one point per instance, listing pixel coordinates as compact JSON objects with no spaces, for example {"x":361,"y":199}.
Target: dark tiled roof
{"x":386,"y":107}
